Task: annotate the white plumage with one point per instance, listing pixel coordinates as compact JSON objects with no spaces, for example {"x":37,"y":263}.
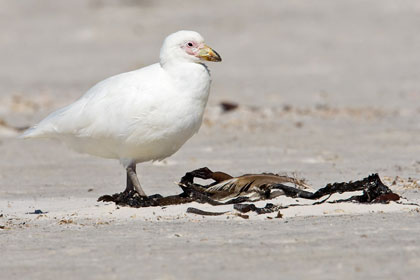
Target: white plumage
{"x":143,"y":115}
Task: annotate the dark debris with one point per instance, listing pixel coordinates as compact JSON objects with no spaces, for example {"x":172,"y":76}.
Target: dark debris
{"x":193,"y":210}
{"x":37,"y":211}
{"x":228,"y":106}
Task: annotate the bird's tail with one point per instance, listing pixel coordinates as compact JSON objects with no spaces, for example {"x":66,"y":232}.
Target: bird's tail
{"x":33,"y":132}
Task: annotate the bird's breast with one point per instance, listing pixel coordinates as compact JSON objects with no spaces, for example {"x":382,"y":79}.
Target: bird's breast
{"x":174,"y":114}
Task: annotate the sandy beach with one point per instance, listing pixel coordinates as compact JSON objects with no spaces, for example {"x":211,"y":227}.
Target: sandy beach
{"x":326,"y":91}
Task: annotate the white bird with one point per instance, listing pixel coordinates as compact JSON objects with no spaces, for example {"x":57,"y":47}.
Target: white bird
{"x":142,"y":115}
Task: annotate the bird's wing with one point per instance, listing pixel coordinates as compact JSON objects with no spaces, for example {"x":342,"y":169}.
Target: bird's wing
{"x":106,"y":107}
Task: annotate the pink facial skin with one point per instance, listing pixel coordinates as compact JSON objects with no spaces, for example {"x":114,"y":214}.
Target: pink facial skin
{"x":192,"y":48}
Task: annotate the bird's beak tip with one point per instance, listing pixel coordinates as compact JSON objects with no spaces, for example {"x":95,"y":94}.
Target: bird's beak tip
{"x":208,"y":54}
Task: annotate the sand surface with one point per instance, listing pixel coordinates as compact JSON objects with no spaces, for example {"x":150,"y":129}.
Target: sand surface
{"x":327,"y":90}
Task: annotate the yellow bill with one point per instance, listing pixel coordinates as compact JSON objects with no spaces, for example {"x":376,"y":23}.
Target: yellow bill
{"x":208,"y":54}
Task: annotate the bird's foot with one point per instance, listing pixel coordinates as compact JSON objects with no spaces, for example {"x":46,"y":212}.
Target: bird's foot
{"x":130,"y":198}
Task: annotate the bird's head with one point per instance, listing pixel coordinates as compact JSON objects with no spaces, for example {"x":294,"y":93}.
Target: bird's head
{"x":186,"y":46}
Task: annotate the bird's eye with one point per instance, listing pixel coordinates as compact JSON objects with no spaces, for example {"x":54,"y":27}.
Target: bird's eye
{"x":190,"y":44}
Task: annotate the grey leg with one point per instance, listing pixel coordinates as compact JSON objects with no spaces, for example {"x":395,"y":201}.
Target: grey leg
{"x":132,"y":180}
{"x":130,"y":186}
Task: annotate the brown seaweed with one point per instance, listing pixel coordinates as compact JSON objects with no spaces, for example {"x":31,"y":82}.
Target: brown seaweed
{"x":225,"y":189}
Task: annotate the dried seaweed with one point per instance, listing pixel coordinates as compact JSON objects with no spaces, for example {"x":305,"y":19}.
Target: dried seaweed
{"x":226,"y":189}
{"x":373,"y":191}
{"x":193,"y":210}
{"x":245,"y":208}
